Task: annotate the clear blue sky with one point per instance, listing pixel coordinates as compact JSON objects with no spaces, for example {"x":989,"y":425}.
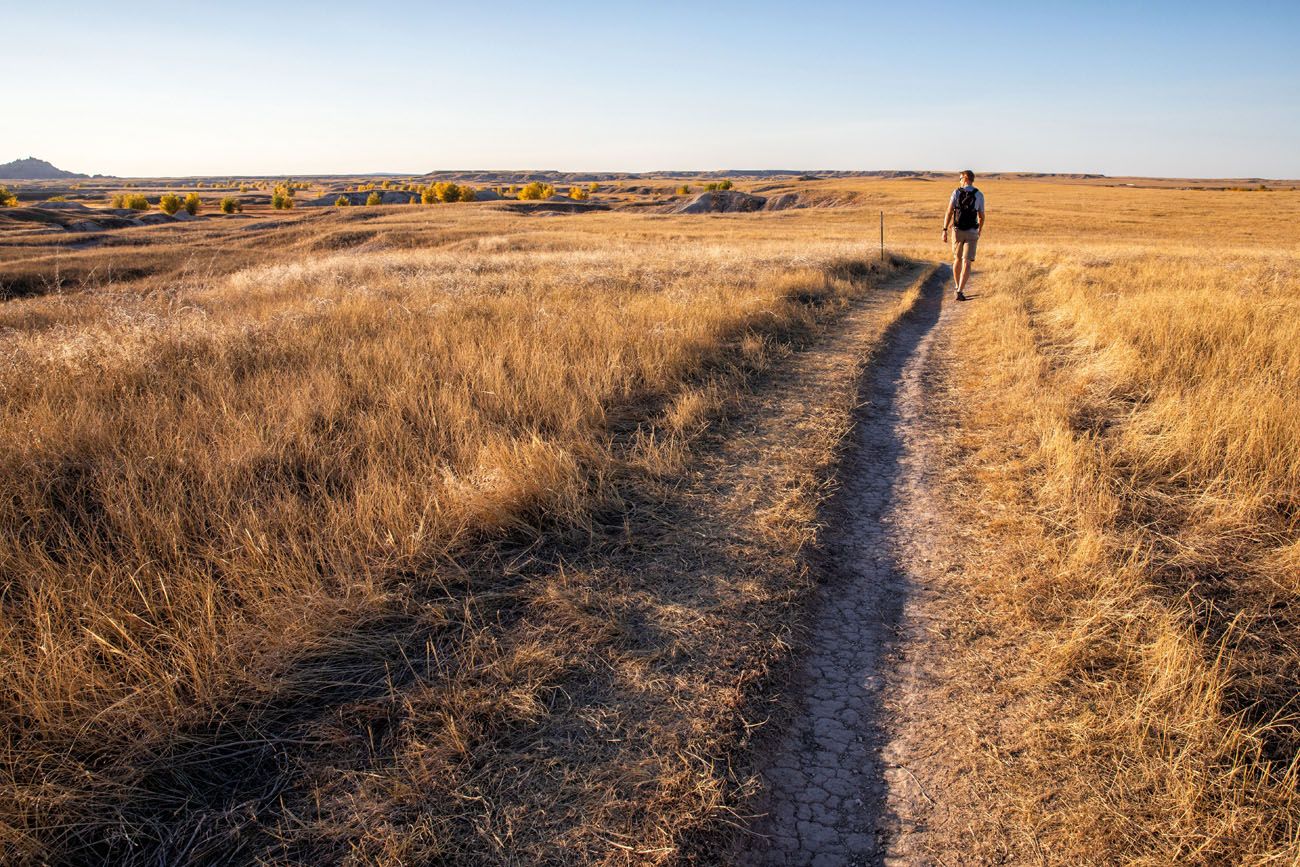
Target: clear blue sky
{"x":154,"y":88}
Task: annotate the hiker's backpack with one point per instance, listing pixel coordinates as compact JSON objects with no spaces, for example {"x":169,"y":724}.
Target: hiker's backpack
{"x":968,"y":215}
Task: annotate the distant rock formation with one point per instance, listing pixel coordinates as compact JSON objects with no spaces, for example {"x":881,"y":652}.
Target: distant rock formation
{"x":32,"y":169}
{"x":722,"y":202}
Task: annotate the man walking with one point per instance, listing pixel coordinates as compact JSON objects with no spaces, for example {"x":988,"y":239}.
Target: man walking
{"x":965,"y":216}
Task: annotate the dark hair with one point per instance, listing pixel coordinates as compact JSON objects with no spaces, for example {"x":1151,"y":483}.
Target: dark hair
{"x":967,"y":173}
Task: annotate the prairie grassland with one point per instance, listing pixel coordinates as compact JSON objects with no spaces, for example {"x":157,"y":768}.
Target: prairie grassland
{"x":1130,"y":407}
{"x":278,"y":502}
{"x":239,"y":502}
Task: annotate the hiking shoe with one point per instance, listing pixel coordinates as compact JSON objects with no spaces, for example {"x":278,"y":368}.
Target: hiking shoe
{"x":961,"y":296}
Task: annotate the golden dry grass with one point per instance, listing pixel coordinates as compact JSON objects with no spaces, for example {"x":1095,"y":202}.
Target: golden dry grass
{"x":1131,"y":407}
{"x":289,"y":513}
{"x":233,"y":504}
{"x":1127,"y":378}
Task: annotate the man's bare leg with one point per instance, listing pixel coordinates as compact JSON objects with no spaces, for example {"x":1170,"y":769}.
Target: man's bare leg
{"x":960,"y":273}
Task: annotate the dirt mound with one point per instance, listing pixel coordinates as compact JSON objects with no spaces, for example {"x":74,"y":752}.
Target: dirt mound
{"x":558,"y":204}
{"x":77,"y":218}
{"x":386,"y":197}
{"x":722,"y":202}
{"x":62,"y":206}
{"x":782,"y":202}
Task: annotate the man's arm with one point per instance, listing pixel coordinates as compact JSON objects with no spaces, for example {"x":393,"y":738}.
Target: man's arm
{"x":947,"y":219}
{"x":980,"y":227}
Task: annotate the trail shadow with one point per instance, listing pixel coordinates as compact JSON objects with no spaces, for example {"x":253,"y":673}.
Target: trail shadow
{"x":826,"y":789}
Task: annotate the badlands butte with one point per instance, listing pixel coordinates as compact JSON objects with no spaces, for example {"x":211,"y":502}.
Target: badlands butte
{"x":495,"y":517}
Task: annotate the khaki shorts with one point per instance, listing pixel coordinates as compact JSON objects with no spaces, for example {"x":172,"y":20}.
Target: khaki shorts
{"x":964,"y":242}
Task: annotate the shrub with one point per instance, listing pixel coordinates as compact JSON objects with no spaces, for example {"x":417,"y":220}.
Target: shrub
{"x":711,"y":186}
{"x":467,"y":194}
{"x":592,"y":187}
{"x":192,"y":204}
{"x":374,"y":199}
{"x":117,"y":201}
{"x":57,"y":199}
{"x":428,"y":195}
{"x":579,"y":194}
{"x":684,"y":190}
{"x":170,"y":203}
{"x":229,"y":205}
{"x":725,"y":185}
{"x":136,"y":202}
{"x":447,"y":191}
{"x":342,"y":202}
{"x":282,"y":196}
{"x":7,"y":199}
{"x":537,"y":190}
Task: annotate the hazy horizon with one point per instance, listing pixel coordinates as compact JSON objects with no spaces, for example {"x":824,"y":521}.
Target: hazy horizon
{"x":679,"y":171}
{"x":154,"y":89}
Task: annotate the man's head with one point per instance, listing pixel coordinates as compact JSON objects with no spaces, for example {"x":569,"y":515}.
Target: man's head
{"x":967,"y":178}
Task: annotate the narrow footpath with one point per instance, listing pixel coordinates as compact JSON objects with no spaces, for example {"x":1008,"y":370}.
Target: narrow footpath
{"x":841,"y":785}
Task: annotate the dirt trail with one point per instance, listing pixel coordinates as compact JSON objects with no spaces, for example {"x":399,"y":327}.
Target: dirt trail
{"x":842,"y":786}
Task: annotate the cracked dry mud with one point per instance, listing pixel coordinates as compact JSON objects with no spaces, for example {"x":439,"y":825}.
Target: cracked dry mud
{"x":839,"y":788}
